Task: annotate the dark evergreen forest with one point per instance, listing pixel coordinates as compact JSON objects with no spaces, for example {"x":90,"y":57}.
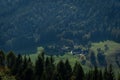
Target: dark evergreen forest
{"x":83,"y":30}
{"x":21,"y":68}
{"x":25,"y":25}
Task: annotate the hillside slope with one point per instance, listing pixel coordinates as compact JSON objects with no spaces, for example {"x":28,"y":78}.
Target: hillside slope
{"x":112,"y":55}
{"x":25,"y":25}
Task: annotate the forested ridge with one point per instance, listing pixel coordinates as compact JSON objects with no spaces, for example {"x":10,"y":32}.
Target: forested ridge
{"x":25,"y":25}
{"x":17,"y":67}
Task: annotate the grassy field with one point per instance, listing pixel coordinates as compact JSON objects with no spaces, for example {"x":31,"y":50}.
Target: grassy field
{"x":110,"y":54}
{"x":113,"y":47}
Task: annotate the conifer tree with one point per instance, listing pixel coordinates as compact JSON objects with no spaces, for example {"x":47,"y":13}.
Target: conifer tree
{"x":52,"y":62}
{"x":2,"y":58}
{"x":48,"y":68}
{"x":27,"y":67}
{"x":95,"y":74}
{"x":105,"y":75}
{"x":25,"y":63}
{"x":61,"y":69}
{"x":30,"y":64}
{"x":39,"y":67}
{"x":68,"y":70}
{"x":11,"y":59}
{"x":78,"y":72}
{"x":18,"y":67}
{"x":111,"y":73}
{"x":100,"y":75}
{"x":28,"y":74}
{"x":56,"y":76}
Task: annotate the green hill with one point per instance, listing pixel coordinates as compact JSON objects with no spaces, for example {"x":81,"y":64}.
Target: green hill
{"x":110,"y":54}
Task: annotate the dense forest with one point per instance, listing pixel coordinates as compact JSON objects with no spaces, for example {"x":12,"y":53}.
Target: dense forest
{"x":75,"y":39}
{"x":25,"y":25}
{"x":17,"y":67}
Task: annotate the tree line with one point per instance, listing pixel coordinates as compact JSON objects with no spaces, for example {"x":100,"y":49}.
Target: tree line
{"x":45,"y":69}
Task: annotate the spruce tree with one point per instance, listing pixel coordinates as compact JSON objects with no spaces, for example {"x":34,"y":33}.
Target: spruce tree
{"x":52,"y":62}
{"x":48,"y":68}
{"x":68,"y":70}
{"x":28,"y":74}
{"x":30,"y":64}
{"x":39,"y":67}
{"x":56,"y":76}
{"x":100,"y":75}
{"x":17,"y":70}
{"x":78,"y":72}
{"x":105,"y":75}
{"x":96,"y":73}
{"x":2,"y":58}
{"x":11,"y":60}
{"x":27,"y":68}
{"x":111,"y":73}
{"x":25,"y":63}
{"x":61,"y":69}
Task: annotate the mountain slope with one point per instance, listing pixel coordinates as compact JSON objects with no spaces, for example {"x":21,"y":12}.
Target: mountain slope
{"x":25,"y":25}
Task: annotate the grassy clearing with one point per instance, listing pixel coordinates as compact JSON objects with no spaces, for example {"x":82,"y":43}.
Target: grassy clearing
{"x":110,"y":54}
{"x":113,"y":47}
